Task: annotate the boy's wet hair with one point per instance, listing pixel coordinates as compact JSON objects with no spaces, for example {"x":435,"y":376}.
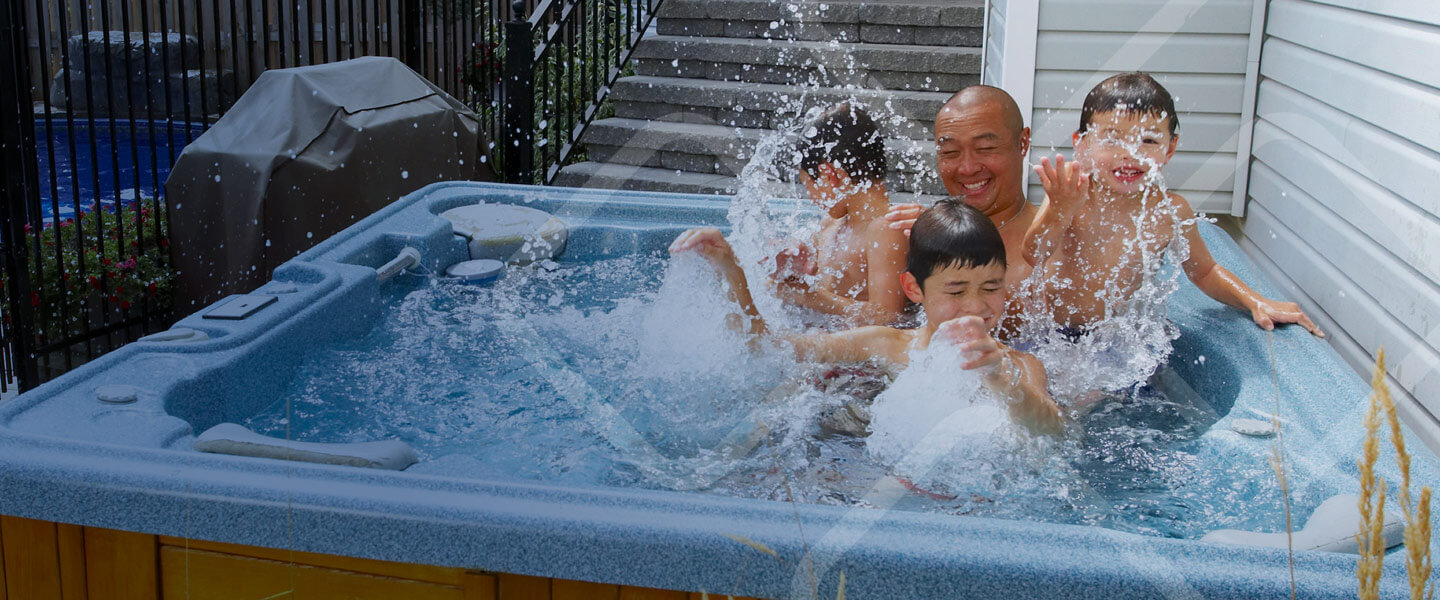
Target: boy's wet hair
{"x":1130,"y":92}
{"x":844,"y":135}
{"x":952,"y":234}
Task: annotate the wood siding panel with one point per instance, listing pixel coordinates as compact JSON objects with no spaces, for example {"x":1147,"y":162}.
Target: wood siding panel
{"x":31,"y":556}
{"x":564,"y":589}
{"x":1193,"y":92}
{"x":639,"y":593}
{"x":205,"y":575}
{"x":1106,"y":51}
{"x":3,"y":594}
{"x":450,"y":576}
{"x":70,"y":548}
{"x":121,"y":565}
{"x":523,"y":587}
{"x":480,"y":586}
{"x":1129,"y":16}
{"x":1402,"y":48}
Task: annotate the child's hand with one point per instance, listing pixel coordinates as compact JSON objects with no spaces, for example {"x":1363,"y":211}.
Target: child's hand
{"x":977,"y":348}
{"x":794,"y":262}
{"x":1065,"y":184}
{"x":707,"y":242}
{"x":902,"y":216}
{"x":1269,"y":312}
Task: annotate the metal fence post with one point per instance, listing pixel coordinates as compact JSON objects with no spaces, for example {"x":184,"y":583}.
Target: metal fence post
{"x":19,"y":182}
{"x":414,"y":34}
{"x":519,"y":94}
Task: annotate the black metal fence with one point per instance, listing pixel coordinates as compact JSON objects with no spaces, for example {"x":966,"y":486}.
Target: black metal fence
{"x":99,"y":97}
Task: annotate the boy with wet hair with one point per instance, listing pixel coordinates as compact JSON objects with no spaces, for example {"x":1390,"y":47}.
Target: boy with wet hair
{"x":853,"y":264}
{"x":956,"y":272}
{"x":1107,"y":211}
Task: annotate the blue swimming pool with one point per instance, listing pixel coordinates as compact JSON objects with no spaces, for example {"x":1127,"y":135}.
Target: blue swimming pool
{"x":109,"y":160}
{"x":477,"y":511}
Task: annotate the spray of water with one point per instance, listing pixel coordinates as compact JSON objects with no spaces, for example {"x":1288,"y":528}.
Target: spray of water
{"x":1133,"y":335}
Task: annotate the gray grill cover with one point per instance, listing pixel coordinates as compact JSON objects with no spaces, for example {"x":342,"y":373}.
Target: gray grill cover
{"x":303,"y":154}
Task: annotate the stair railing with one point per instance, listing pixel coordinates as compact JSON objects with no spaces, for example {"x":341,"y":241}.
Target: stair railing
{"x":560,"y":62}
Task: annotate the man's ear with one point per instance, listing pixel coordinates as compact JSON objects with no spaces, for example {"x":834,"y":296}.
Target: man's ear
{"x":1024,"y":141}
{"x":911,"y":287}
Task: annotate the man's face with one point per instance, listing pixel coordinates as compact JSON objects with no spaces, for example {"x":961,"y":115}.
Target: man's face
{"x":1125,"y":150}
{"x":979,"y":158}
{"x":951,"y":292}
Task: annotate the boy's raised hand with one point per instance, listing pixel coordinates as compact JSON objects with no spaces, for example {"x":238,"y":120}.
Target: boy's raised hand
{"x":977,"y":347}
{"x":902,"y":216}
{"x":705,"y":241}
{"x":1268,"y":312}
{"x":1066,"y":185}
{"x":794,"y":262}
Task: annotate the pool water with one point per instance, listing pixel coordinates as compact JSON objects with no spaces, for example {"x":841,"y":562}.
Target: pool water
{"x":134,"y":159}
{"x":618,"y":371}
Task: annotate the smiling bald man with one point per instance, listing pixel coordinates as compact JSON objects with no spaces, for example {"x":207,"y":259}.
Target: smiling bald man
{"x":981,"y":142}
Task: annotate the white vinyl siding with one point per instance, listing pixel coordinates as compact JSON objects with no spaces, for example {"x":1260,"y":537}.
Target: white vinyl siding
{"x":1197,"y":49}
{"x":1345,"y":180}
{"x":994,"y":41}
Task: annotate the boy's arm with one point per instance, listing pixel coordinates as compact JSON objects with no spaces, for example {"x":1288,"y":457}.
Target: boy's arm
{"x":1219,"y":283}
{"x":885,"y":262}
{"x":1020,"y":379}
{"x":1066,"y":190}
{"x":709,"y":243}
{"x":1016,"y":377}
{"x":852,"y":345}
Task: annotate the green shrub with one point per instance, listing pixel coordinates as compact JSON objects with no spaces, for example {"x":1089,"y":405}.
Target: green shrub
{"x":70,"y":286}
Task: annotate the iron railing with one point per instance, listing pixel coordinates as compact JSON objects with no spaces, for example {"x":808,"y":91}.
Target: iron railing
{"x":578,"y":48}
{"x":98,"y":98}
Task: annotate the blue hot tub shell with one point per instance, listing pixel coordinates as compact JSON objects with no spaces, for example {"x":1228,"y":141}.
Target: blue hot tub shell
{"x":64,"y":456}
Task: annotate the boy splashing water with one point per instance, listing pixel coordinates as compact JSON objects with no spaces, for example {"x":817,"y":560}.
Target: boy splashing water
{"x":956,"y":272}
{"x":1107,"y":218}
{"x":853,"y":266}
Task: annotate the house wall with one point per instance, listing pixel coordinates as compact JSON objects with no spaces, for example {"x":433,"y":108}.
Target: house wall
{"x":1197,"y":49}
{"x":1345,"y":181}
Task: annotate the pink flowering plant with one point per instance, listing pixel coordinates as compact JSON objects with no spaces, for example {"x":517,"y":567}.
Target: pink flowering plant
{"x":76,"y":272}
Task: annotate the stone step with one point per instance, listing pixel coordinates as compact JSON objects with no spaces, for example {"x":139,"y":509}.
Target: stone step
{"x":924,"y":22}
{"x":721,"y":150}
{"x":870,"y":66}
{"x":630,"y":177}
{"x":909,"y":114}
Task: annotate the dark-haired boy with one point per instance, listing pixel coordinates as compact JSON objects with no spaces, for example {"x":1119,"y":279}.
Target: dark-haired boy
{"x":956,"y":272}
{"x":852,"y":266}
{"x":1106,"y":211}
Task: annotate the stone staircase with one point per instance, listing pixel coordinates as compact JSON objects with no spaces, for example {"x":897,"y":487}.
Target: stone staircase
{"x":715,"y":77}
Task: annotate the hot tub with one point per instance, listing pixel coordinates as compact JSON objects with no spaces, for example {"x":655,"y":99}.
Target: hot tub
{"x":128,"y":462}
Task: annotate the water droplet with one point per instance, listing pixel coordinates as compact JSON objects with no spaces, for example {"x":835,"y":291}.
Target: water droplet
{"x":404,"y":174}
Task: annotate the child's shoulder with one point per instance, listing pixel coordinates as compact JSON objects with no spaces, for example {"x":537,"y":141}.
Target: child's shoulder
{"x":879,"y":230}
{"x":1179,"y":203}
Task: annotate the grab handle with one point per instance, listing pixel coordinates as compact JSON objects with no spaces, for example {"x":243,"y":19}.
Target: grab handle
{"x":407,"y":258}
